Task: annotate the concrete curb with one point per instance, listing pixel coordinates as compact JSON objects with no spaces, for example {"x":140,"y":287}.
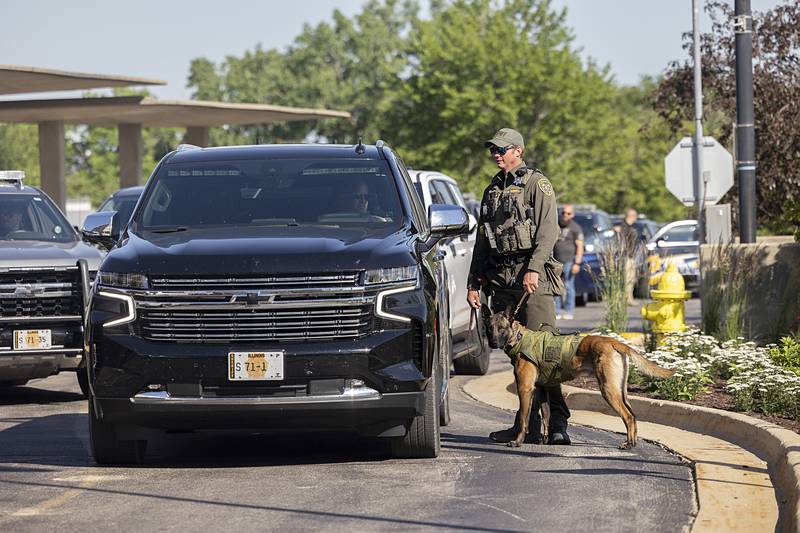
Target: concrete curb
{"x":778,"y":447}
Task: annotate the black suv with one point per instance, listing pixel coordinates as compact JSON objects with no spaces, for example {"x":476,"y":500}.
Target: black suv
{"x":271,"y":287}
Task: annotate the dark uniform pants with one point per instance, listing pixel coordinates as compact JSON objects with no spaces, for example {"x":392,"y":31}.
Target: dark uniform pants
{"x":539,"y":313}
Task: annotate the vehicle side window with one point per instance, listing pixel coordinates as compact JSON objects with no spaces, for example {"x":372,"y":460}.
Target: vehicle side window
{"x":456,"y":194}
{"x":443,"y":193}
{"x":436,"y":195}
{"x":681,"y":234}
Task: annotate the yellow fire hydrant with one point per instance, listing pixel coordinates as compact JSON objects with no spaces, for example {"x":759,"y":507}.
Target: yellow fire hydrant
{"x":667,"y":312}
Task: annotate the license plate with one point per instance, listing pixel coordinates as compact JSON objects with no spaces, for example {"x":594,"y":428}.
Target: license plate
{"x":32,"y":339}
{"x":255,"y":366}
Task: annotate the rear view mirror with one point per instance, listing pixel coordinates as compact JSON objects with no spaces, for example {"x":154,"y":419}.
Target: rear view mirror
{"x":99,"y":228}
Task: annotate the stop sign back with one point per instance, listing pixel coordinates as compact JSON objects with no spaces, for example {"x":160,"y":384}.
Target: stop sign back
{"x":717,"y":161}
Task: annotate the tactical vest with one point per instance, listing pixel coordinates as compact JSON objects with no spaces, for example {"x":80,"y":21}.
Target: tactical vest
{"x":508,"y":217}
{"x":552,"y":354}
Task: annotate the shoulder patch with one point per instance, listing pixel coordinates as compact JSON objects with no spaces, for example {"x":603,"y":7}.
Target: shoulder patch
{"x":545,"y":186}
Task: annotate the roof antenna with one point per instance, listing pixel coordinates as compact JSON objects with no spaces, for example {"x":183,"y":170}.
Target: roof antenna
{"x":360,"y":149}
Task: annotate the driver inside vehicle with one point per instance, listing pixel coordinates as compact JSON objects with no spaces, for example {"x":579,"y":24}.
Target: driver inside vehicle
{"x":10,"y":218}
{"x":357,"y":199}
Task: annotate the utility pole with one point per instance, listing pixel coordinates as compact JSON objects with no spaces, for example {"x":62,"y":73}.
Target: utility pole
{"x":697,"y":148}
{"x":745,"y":121}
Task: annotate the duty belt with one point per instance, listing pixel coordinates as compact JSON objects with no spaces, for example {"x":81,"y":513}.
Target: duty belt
{"x":509,"y":261}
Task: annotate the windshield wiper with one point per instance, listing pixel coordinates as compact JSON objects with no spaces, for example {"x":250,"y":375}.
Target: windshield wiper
{"x":169,"y":229}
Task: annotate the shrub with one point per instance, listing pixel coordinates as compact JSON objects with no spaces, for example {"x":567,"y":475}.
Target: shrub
{"x":787,"y":354}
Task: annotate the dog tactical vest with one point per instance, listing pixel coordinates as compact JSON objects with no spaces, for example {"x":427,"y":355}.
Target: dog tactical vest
{"x":552,"y":354}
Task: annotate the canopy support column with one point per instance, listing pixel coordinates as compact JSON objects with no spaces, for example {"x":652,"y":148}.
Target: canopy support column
{"x":130,"y":155}
{"x":51,"y":161}
{"x":196,"y":135}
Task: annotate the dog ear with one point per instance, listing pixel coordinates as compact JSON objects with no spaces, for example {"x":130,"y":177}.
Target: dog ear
{"x":486,"y":313}
{"x":510,"y":312}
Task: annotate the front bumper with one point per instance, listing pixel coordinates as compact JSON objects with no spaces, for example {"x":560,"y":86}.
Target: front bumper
{"x":31,"y":364}
{"x":142,"y":384}
{"x":377,"y":415}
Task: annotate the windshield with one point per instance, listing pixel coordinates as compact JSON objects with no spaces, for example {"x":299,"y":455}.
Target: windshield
{"x":25,"y":217}
{"x":272,"y":192}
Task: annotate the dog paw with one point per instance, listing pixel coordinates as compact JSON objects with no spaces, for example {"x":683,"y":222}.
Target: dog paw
{"x":513,"y":444}
{"x":626,"y":446}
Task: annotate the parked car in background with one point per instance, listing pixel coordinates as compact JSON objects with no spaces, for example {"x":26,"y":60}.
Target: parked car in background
{"x":678,"y":243}
{"x":123,"y":201}
{"x":45,"y":274}
{"x":470,"y":348}
{"x":597,"y":228}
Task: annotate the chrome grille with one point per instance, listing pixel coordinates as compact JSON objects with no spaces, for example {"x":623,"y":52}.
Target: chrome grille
{"x":276,"y":308}
{"x":40,"y":293}
{"x":257,"y":283}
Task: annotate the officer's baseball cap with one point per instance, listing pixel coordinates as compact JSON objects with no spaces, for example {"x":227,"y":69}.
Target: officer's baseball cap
{"x":506,"y":137}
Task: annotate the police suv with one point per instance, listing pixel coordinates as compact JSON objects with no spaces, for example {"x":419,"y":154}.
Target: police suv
{"x":271,"y":287}
{"x":45,"y":273}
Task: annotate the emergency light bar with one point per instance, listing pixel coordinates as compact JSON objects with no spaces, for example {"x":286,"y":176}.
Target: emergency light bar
{"x":13,"y":176}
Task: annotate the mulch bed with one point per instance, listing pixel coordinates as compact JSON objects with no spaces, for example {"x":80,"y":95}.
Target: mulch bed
{"x":716,"y":397}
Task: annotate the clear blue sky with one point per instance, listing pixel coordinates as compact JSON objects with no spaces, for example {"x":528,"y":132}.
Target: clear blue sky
{"x":158,"y":39}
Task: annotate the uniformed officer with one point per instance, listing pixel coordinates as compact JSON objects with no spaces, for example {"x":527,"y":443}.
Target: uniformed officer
{"x":514,"y":255}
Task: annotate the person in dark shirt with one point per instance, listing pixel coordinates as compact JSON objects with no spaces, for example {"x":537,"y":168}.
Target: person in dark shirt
{"x":568,"y":250}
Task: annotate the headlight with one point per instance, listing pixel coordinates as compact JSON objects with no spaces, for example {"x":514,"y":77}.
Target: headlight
{"x":122,"y":280}
{"x":129,"y":309}
{"x":589,"y":248}
{"x":390,"y":275}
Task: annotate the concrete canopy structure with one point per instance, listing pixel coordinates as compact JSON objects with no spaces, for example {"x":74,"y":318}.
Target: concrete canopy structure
{"x":16,"y":79}
{"x":128,"y":113}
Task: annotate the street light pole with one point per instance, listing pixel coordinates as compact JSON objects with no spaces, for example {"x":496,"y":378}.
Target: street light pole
{"x":697,"y":148}
{"x":745,"y":121}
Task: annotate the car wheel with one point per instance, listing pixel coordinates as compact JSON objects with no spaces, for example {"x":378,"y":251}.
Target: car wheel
{"x":422,"y":438}
{"x":107,"y":449}
{"x":475,"y":364}
{"x":83,"y":380}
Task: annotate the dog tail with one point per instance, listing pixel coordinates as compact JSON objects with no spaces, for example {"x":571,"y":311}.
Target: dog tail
{"x":642,"y":364}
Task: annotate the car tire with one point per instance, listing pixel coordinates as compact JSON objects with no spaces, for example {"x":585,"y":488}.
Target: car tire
{"x":107,"y":448}
{"x":476,"y":364}
{"x":83,"y":380}
{"x":422,"y":438}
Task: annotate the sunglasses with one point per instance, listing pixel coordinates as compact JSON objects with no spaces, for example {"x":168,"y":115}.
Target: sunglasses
{"x":500,"y":149}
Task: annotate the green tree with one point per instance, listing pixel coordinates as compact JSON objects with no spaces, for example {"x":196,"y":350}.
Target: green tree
{"x":351,"y":64}
{"x":19,"y":150}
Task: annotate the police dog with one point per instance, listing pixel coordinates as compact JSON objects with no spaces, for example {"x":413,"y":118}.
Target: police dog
{"x":603,"y":356}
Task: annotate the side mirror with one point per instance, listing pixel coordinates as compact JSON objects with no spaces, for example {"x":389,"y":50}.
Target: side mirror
{"x":99,"y":228}
{"x":445,"y":221}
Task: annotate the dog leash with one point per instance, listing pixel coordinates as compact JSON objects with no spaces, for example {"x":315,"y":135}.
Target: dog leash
{"x":521,"y":303}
